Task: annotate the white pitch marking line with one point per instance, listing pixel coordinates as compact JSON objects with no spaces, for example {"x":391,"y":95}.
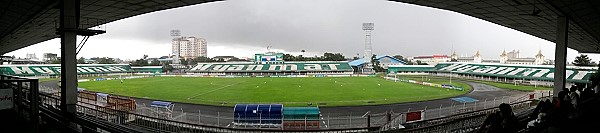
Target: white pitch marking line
{"x":213,"y":90}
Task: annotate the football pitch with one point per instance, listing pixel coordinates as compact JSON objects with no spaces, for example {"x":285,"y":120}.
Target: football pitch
{"x":324,"y":91}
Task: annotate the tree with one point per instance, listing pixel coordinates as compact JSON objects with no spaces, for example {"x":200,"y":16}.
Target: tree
{"x":183,"y":61}
{"x":303,"y":52}
{"x":595,"y":77}
{"x":202,"y":59}
{"x":154,"y":62}
{"x":300,"y":58}
{"x":139,"y":62}
{"x":237,"y":59}
{"x":166,"y":67}
{"x":289,"y":57}
{"x":81,"y":60}
{"x":583,"y":60}
{"x":57,"y":61}
{"x":400,"y":57}
{"x":375,"y":64}
{"x":356,"y":57}
{"x":106,"y":60}
{"x":333,"y":57}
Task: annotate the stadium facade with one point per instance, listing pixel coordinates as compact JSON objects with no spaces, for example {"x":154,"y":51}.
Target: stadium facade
{"x":284,"y":68}
{"x":384,"y":61}
{"x":512,"y":57}
{"x":55,"y":69}
{"x":272,"y":63}
{"x":496,"y":71}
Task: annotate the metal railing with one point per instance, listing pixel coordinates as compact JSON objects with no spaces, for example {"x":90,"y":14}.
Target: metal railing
{"x":130,"y":121}
{"x":25,"y":100}
{"x":461,"y":122}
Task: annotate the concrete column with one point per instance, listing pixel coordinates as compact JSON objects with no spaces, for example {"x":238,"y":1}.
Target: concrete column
{"x":560,"y":54}
{"x":69,"y":17}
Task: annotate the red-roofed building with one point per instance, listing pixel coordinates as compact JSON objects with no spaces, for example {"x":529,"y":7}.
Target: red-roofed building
{"x":431,"y":59}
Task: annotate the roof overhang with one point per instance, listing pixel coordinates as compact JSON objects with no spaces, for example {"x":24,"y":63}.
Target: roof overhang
{"x":584,"y":15}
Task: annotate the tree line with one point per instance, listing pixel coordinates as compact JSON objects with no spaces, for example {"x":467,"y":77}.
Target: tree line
{"x":325,"y":57}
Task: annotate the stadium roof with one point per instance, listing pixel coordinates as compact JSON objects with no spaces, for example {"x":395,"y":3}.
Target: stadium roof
{"x":363,"y":61}
{"x":584,"y":15}
{"x":430,"y":56}
{"x":27,"y":22}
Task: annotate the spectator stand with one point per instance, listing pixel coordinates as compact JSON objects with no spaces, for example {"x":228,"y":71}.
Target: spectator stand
{"x":301,"y":118}
{"x":257,"y":115}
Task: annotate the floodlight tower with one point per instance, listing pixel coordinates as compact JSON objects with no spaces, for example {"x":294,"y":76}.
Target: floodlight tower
{"x":368,"y":27}
{"x":175,"y":34}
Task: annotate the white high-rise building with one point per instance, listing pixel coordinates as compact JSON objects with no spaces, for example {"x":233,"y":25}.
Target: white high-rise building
{"x":189,"y":47}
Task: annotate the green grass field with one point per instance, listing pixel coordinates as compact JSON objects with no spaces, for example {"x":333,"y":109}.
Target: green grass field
{"x":346,"y":91}
{"x":495,"y":84}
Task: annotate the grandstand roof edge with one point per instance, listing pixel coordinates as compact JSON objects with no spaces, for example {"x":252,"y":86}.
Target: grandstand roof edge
{"x":363,"y":61}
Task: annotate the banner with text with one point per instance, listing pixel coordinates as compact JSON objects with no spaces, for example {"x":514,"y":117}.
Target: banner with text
{"x":6,"y":99}
{"x":54,"y":69}
{"x":286,"y":67}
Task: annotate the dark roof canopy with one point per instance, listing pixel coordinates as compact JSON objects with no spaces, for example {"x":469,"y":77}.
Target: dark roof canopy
{"x":584,"y":27}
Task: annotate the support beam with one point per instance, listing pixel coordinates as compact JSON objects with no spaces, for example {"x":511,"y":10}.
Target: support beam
{"x":69,"y":17}
{"x":560,"y":54}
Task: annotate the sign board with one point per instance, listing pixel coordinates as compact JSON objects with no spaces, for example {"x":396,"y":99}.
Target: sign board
{"x":286,"y":67}
{"x":6,"y":99}
{"x":414,"y":116}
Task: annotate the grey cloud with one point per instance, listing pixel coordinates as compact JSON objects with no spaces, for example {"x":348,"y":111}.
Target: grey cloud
{"x":328,"y":26}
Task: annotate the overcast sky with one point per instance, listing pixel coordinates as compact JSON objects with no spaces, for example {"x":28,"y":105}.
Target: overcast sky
{"x":244,"y":27}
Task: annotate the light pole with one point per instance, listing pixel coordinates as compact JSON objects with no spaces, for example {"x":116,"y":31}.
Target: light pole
{"x":450,"y":77}
{"x":368,"y":28}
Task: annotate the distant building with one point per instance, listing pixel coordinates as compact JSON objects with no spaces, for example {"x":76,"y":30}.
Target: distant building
{"x":512,"y":57}
{"x":150,"y":60}
{"x":431,"y":59}
{"x":118,"y":60}
{"x":31,"y":56}
{"x":384,"y":61}
{"x":49,"y":57}
{"x":224,"y":58}
{"x":90,"y":61}
{"x":189,"y":47}
{"x":475,"y":58}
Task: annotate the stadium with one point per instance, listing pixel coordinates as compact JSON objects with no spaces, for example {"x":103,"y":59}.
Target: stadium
{"x":270,"y":94}
{"x":309,"y":95}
